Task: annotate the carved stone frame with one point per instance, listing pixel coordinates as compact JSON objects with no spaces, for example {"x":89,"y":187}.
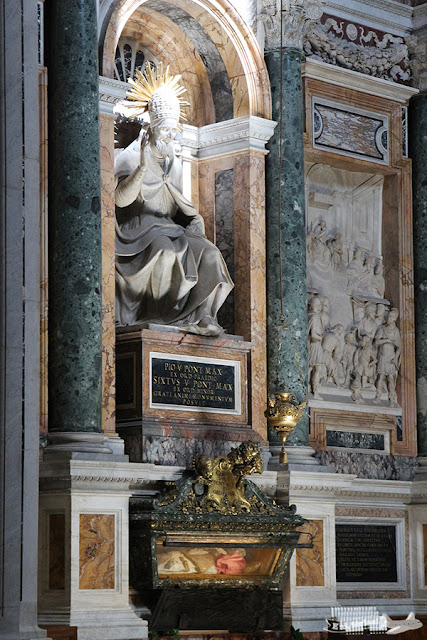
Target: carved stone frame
{"x":364,"y":92}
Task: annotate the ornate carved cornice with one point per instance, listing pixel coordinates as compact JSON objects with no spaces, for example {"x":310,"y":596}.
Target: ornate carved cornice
{"x":231,"y":136}
{"x":359,"y":48}
{"x":110,"y":93}
{"x":298,"y":17}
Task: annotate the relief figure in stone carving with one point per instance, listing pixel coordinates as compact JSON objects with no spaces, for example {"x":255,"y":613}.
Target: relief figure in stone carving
{"x":324,"y":312}
{"x":368,"y":272}
{"x":355,"y":272}
{"x":319,"y":249}
{"x":388,"y":342}
{"x":348,"y":356}
{"x":365,"y":361}
{"x":368,"y":325}
{"x":381,"y":314}
{"x":167,"y":271}
{"x":315,"y":354}
{"x":378,"y":282}
{"x":332,"y":352}
{"x":336,"y":250}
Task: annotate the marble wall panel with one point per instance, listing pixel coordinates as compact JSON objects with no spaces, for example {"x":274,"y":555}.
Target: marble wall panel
{"x":224,"y":236}
{"x":340,"y":129}
{"x":97,"y":551}
{"x":372,"y":466}
{"x":108,"y":274}
{"x":249,"y":261}
{"x":310,"y":570}
{"x":56,"y":571}
{"x":250,"y":295}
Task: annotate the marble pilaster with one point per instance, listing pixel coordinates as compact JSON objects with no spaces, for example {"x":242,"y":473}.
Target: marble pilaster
{"x":19,"y":321}
{"x":75,"y":223}
{"x":418,"y":153}
{"x":286,"y":255}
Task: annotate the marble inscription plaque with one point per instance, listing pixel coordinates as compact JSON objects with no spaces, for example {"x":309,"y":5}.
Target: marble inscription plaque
{"x":192,"y":383}
{"x":366,"y":553}
{"x":355,"y":440}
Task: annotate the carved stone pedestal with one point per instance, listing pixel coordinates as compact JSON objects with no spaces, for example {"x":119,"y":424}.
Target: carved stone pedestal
{"x":179,"y":394}
{"x":83,"y":559}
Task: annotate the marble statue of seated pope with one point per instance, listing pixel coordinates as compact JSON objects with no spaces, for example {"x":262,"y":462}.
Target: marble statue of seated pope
{"x":167,"y":271}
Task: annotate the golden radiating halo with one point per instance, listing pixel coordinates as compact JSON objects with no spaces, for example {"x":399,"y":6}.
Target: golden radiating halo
{"x":146,"y":83}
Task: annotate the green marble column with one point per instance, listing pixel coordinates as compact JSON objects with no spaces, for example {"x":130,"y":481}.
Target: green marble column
{"x":286,"y":266}
{"x":418,"y":153}
{"x":74,"y":219}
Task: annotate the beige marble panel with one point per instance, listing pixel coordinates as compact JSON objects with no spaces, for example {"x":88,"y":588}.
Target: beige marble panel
{"x":250,"y":296}
{"x":310,"y":571}
{"x":249,"y":261}
{"x":97,"y":551}
{"x":56,"y":569}
{"x":108,"y":275}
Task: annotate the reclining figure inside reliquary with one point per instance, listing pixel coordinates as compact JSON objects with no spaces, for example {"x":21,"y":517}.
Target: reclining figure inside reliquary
{"x":353,"y":335}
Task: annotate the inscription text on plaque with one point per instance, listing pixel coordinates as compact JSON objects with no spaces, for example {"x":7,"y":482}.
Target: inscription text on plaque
{"x":192,"y":383}
{"x":366,"y":553}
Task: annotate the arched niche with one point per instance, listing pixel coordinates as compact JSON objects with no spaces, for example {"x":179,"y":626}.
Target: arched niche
{"x":222,"y":24}
{"x":222,"y":67}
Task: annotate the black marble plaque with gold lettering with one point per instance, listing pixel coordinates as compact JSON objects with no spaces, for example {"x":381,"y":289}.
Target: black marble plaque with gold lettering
{"x":194,"y":384}
{"x":366,"y":553}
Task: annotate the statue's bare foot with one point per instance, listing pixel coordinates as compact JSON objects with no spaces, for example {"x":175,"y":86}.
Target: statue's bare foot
{"x":208,"y":326}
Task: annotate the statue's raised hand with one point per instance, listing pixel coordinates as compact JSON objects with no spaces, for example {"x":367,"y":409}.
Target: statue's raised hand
{"x":144,"y":150}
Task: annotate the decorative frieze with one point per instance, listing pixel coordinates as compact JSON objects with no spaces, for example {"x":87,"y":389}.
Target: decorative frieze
{"x":354,"y":46}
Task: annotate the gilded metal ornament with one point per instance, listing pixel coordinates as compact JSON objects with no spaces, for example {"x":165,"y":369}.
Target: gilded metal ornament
{"x":283,"y":414}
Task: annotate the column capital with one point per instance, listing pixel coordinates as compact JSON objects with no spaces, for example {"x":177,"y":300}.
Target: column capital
{"x":417,"y":48}
{"x":298,"y":16}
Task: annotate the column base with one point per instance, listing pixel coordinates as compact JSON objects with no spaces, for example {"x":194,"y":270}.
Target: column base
{"x":421,"y":472}
{"x":101,"y":625}
{"x":299,"y":459}
{"x":33,"y":634}
{"x":80,"y":445}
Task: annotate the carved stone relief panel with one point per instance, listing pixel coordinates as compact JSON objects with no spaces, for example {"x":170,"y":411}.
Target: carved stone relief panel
{"x":353,"y":335}
{"x":360,"y":48}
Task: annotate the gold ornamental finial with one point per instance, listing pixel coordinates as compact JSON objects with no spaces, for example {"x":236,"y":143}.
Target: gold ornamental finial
{"x":157,"y":92}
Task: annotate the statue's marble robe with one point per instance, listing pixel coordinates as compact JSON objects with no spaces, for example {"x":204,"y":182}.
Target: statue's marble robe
{"x":165,"y":273}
